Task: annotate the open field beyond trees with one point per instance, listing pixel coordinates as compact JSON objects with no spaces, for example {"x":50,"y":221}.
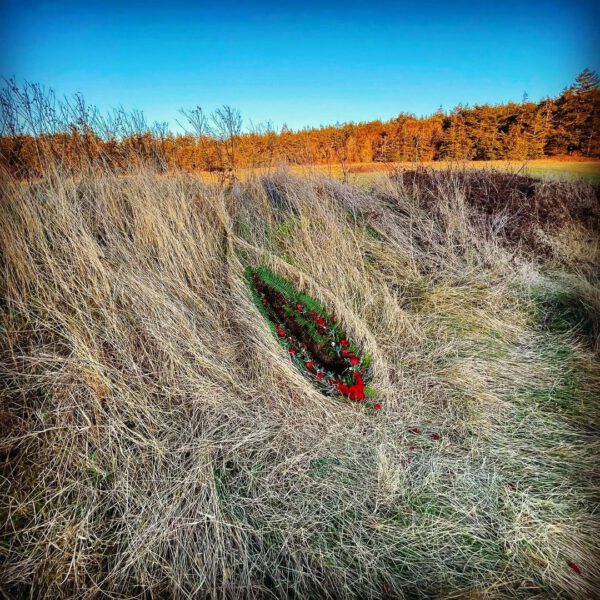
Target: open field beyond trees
{"x":558,"y":169}
{"x":158,"y":442}
{"x":565,"y":168}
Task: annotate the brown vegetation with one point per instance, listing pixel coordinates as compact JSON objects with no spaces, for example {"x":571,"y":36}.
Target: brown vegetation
{"x":522,"y":210}
{"x":37,"y":129}
{"x":158,"y":442}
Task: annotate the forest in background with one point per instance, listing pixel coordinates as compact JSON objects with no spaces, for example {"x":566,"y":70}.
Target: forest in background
{"x":37,"y":129}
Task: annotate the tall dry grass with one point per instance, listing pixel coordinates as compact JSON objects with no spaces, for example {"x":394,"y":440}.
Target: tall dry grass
{"x":158,"y":443}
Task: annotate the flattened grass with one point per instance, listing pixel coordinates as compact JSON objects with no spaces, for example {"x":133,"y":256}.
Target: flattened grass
{"x":162,"y":443}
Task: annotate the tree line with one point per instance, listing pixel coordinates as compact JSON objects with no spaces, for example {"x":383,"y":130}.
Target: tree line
{"x":38,"y":129}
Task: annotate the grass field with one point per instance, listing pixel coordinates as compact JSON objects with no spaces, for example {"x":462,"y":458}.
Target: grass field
{"x":562,"y":169}
{"x":157,"y":442}
{"x":586,"y":170}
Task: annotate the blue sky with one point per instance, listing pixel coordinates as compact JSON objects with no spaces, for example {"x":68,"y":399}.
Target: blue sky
{"x":300,"y":63}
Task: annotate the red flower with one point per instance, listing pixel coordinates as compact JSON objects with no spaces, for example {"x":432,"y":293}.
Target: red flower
{"x":435,"y":437}
{"x":354,"y":361}
{"x":293,"y":350}
{"x":264,"y":301}
{"x":377,"y":406}
{"x":321,"y":322}
{"x":416,"y":430}
{"x":574,"y":567}
{"x":346,"y":353}
{"x":344,"y":342}
{"x":356,"y":391}
{"x":280,"y":331}
{"x":343,"y":388}
{"x":299,"y":307}
{"x":310,"y":364}
{"x":320,"y":376}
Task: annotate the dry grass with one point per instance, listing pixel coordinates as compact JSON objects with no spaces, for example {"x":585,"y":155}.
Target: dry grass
{"x":157,"y":442}
{"x":556,"y":168}
{"x":563,"y":169}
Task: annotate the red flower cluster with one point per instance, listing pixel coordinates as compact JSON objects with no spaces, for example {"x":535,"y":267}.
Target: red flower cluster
{"x":320,"y":321}
{"x":288,"y":313}
{"x":356,"y":391}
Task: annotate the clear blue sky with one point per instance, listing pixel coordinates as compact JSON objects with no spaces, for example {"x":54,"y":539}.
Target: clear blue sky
{"x":303,"y":62}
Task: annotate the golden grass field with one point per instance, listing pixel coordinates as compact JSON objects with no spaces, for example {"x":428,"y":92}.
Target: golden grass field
{"x":559,"y":169}
{"x":157,"y":442}
{"x":584,"y":169}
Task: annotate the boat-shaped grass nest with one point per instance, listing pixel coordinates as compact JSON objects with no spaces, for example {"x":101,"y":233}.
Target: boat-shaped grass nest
{"x":314,"y":339}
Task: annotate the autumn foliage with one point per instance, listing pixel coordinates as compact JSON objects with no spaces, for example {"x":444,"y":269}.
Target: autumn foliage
{"x":36,"y":129}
